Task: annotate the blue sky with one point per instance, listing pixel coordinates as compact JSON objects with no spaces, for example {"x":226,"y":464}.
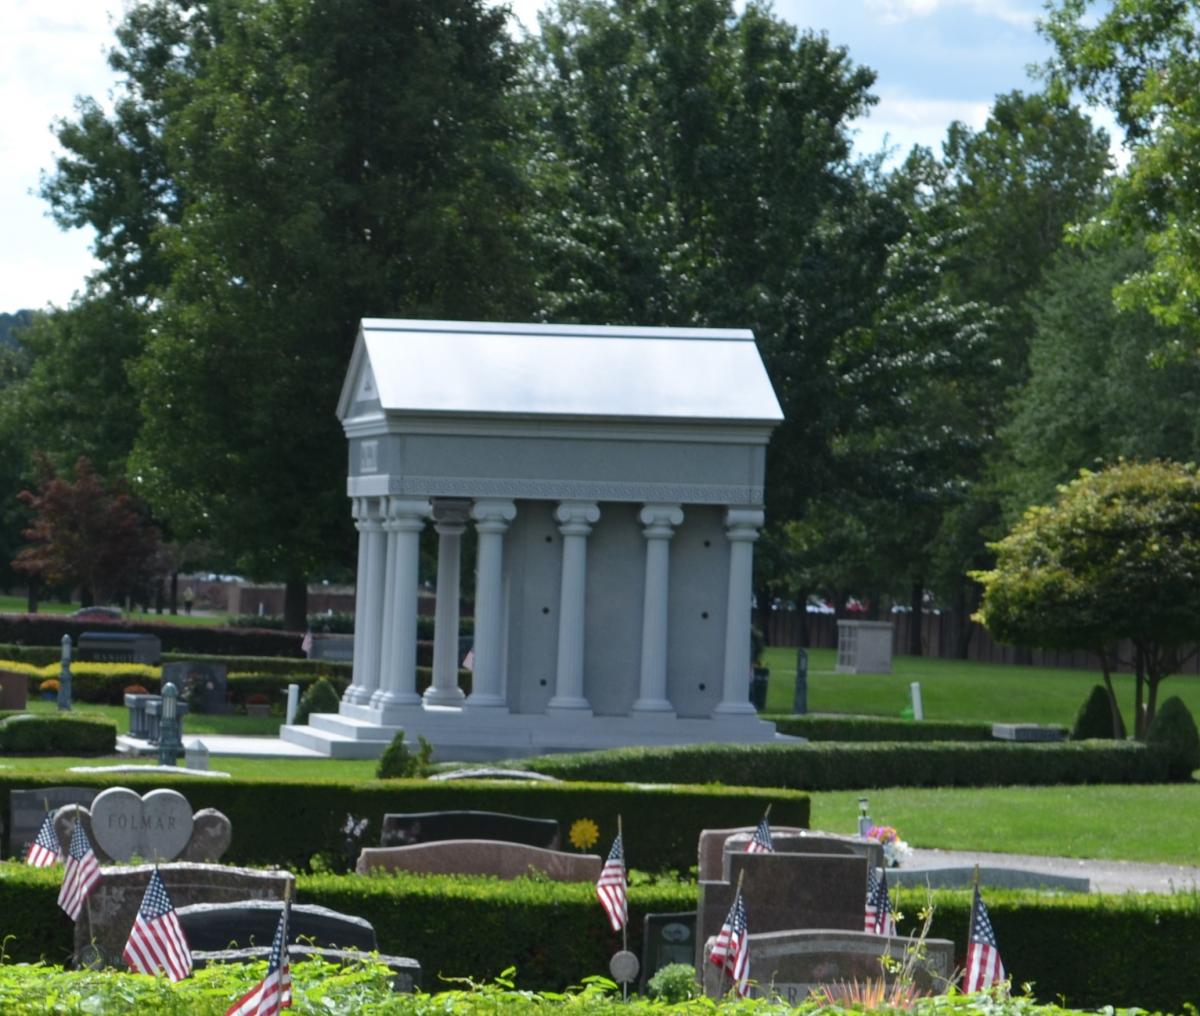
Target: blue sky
{"x":936,"y":61}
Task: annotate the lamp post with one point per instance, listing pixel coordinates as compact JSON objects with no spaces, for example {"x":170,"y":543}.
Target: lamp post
{"x":170,"y":744}
{"x":64,"y":677}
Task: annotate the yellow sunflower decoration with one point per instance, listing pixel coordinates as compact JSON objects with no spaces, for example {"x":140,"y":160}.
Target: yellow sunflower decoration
{"x":584,"y":833}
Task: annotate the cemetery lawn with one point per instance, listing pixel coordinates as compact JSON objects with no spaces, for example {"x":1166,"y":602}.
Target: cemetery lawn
{"x":193,"y":724}
{"x":955,"y":689}
{"x":304,"y":770}
{"x":17,"y":604}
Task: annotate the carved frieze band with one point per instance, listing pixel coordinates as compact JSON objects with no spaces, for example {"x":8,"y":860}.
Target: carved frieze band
{"x":574,"y":490}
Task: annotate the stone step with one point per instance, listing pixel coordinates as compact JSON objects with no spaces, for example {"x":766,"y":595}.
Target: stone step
{"x":347,"y":726}
{"x":331,"y":745}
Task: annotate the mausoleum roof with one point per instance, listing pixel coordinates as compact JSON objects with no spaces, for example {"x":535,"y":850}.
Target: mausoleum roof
{"x":583,"y":371}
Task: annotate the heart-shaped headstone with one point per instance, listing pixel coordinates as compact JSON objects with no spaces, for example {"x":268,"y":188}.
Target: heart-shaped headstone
{"x":156,"y":827}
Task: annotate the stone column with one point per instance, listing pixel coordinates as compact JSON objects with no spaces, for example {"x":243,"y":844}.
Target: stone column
{"x":741,"y":526}
{"x":450,"y":519}
{"x":368,"y":600}
{"x":492,"y":517}
{"x":398,"y":677}
{"x":575,"y":520}
{"x":660,"y":521}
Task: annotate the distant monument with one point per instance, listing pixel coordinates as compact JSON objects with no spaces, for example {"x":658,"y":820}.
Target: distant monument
{"x":614,"y":477}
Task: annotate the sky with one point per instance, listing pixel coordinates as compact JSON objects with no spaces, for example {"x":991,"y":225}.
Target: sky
{"x":936,"y":61}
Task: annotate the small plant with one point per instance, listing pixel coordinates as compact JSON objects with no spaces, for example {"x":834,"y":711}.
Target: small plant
{"x":49,"y":685}
{"x":1095,"y":718}
{"x":674,"y":983}
{"x":399,"y":762}
{"x":1174,"y":730}
{"x":319,"y":697}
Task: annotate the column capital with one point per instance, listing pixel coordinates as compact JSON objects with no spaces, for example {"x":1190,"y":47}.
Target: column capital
{"x":367,"y":514}
{"x":492,"y":515}
{"x":575,"y":518}
{"x":450,"y":517}
{"x":406,"y":514}
{"x":660,"y":520}
{"x":743,"y":524}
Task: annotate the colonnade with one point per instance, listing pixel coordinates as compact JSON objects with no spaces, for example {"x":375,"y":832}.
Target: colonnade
{"x":384,"y":673}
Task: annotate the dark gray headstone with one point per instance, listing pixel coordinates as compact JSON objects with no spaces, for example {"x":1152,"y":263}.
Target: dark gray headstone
{"x":667,"y":938}
{"x":119,"y":647}
{"x":1027,"y":732}
{"x":28,"y":810}
{"x":203,"y":685}
{"x":402,"y":830}
{"x":339,"y":648}
{"x":247,"y":923}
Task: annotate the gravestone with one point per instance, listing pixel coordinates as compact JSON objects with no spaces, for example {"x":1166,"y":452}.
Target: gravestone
{"x":712,"y":846}
{"x":119,"y":647}
{"x":203,"y":685}
{"x":791,"y":964}
{"x":153,"y":710}
{"x":805,"y":842}
{"x":400,"y":830}
{"x":1027,"y":732}
{"x":28,"y":809}
{"x":339,"y":648}
{"x":667,"y":938}
{"x":481,"y":857}
{"x":494,"y":773}
{"x":108,"y":914}
{"x":246,"y":923}
{"x":157,"y":826}
{"x":211,"y":835}
{"x":135,"y":702}
{"x":785,"y":892}
{"x":14,"y":690}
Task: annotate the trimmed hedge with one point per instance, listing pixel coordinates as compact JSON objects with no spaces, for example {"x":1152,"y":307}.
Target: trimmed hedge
{"x":48,"y":630}
{"x":878,"y":728}
{"x":287,"y":822}
{"x":840,"y":766}
{"x":1086,"y":949}
{"x":26,"y":734}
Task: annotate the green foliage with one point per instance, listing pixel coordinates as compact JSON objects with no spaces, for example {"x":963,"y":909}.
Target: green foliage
{"x":398,"y":762}
{"x":674,"y":983}
{"x":48,"y":630}
{"x":843,"y":766}
{"x":1174,"y":730}
{"x":319,"y":697}
{"x":1094,"y":719}
{"x":25,"y":734}
{"x":662,"y":823}
{"x":878,"y":728}
{"x":1115,"y":557}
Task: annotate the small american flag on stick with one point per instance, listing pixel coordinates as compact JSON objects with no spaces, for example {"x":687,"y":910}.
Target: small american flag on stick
{"x":157,"y":941}
{"x":45,"y":849}
{"x":611,"y":887}
{"x":274,"y":991}
{"x":731,"y":950}
{"x":82,"y":874}
{"x":983,"y":954}
{"x":761,"y":843}
{"x":878,"y":915}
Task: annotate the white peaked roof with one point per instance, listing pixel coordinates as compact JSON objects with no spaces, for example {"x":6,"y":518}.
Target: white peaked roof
{"x":478,"y":368}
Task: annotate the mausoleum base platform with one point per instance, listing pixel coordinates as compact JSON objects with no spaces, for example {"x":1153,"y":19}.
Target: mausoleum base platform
{"x":478,"y":734}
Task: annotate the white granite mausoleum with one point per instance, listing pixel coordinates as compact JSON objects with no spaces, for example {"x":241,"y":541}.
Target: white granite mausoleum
{"x":614,"y":480}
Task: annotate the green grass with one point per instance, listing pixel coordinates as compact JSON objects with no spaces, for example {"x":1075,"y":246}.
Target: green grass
{"x":955,"y":689}
{"x":359,"y":770}
{"x":17,"y":605}
{"x":193,"y":723}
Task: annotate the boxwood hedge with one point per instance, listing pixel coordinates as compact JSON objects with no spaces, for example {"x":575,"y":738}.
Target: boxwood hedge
{"x":878,"y":728}
{"x":26,"y":734}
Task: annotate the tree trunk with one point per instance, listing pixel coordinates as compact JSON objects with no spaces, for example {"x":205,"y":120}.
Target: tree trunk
{"x":295,"y":604}
{"x":765,"y":607}
{"x":803,"y":635}
{"x":916,"y":602}
{"x":1118,"y":723}
{"x":1139,"y":718}
{"x":174,"y":598}
{"x":964,"y":627}
{"x":31,"y":595}
{"x":85,"y":597}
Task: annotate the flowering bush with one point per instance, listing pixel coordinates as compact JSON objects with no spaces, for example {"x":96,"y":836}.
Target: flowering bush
{"x":49,"y":685}
{"x":895,"y":849}
{"x":257,"y":699}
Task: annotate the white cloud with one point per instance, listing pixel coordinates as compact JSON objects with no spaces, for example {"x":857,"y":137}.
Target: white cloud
{"x":902,"y":120}
{"x":899,"y":11}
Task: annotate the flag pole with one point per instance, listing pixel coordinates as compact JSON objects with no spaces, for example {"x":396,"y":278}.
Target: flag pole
{"x":971,"y":917}
{"x":625,"y":923}
{"x":736,"y":893}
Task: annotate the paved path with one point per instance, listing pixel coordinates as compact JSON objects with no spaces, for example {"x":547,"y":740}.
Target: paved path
{"x":226,"y":745}
{"x":1105,"y":876}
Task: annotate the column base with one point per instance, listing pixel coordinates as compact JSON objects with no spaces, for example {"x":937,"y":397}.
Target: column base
{"x":659,"y":708}
{"x":357,"y":695}
{"x":735,"y":709}
{"x":572,"y":704}
{"x":476,"y":700}
{"x":394,"y":699}
{"x":443,"y":696}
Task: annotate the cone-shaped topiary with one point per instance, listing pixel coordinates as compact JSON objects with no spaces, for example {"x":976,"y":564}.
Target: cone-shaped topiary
{"x":1094,"y":719}
{"x":398,"y":762}
{"x":1174,"y":730}
{"x":320,"y":697}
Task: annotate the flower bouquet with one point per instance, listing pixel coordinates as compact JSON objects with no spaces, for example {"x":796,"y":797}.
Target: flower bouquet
{"x":895,"y":849}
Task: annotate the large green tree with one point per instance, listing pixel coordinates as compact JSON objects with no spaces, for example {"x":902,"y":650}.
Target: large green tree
{"x":289,"y":167}
{"x":1114,"y":558}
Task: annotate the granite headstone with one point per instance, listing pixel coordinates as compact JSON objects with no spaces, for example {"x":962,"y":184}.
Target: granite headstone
{"x":28,"y":809}
{"x":157,"y":826}
{"x":667,"y":938}
{"x":401,"y":830}
{"x":481,"y":857}
{"x":203,"y":685}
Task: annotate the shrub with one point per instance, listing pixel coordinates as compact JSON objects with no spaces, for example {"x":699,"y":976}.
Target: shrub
{"x":1094,"y":719}
{"x":26,"y":734}
{"x":674,"y":983}
{"x":49,"y":685}
{"x":320,"y":697}
{"x":397,"y":762}
{"x":48,"y":630}
{"x":1173,"y":731}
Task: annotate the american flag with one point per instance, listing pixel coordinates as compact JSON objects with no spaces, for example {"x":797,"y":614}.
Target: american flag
{"x":45,"y":849}
{"x":157,"y":941}
{"x":983,"y":954}
{"x":761,"y":843}
{"x":731,"y":951}
{"x":274,"y":991}
{"x":611,"y":887}
{"x":878,"y":915}
{"x":82,"y":874}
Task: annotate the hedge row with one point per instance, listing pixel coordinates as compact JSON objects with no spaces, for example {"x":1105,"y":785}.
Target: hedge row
{"x":1087,"y":950}
{"x":48,"y":630}
{"x":841,"y":766}
{"x":287,"y":822}
{"x":878,"y":728}
{"x":26,"y":734}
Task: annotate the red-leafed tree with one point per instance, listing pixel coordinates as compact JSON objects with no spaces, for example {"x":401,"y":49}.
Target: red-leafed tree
{"x":89,"y":533}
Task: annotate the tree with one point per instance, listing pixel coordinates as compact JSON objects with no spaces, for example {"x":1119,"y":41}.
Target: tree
{"x":275,"y":172}
{"x":90,"y":534}
{"x":1114,"y":558}
{"x":1140,"y":59}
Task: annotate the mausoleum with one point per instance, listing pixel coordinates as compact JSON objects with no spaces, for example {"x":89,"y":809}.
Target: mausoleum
{"x":614,"y":480}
